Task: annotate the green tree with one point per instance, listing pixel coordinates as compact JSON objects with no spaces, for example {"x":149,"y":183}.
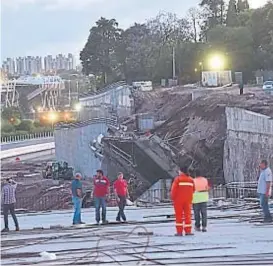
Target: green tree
{"x":167,"y":31}
{"x":134,"y":52}
{"x":194,"y":16}
{"x":10,"y":113}
{"x":98,"y":55}
{"x":236,"y":43}
{"x":6,"y":127}
{"x":25,"y":125}
{"x":216,"y":11}
{"x":261,"y":22}
{"x":242,"y":5}
{"x":232,"y":18}
{"x":213,"y":15}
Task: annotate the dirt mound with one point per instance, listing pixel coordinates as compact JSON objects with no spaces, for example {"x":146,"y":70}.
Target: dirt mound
{"x":197,"y":131}
{"x":161,"y":102}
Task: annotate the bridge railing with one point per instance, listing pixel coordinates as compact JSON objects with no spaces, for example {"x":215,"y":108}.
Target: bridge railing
{"x":24,"y":137}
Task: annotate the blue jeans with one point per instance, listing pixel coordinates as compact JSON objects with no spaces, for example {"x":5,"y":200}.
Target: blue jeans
{"x":77,"y":202}
{"x":265,"y":207}
{"x":100,"y":202}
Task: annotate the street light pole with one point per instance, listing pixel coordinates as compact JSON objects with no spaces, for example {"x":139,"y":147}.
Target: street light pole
{"x":201,"y":70}
{"x":69,"y":92}
{"x":174,"y":74}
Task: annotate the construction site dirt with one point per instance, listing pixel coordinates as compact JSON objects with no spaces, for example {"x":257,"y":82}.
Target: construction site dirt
{"x":195,"y":122}
{"x":193,"y":127}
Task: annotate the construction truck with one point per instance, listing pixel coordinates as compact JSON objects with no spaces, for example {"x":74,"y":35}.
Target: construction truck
{"x":57,"y":171}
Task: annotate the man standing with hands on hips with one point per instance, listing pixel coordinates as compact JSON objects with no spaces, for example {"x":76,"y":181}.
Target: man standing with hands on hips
{"x":121,"y":192}
{"x":264,"y":189}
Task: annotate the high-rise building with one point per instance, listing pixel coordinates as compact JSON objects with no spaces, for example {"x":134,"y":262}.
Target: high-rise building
{"x":48,"y":61}
{"x":9,"y":66}
{"x":28,"y":65}
{"x":38,"y":64}
{"x":5,"y":67}
{"x":35,"y":64}
{"x":20,"y":65}
{"x":60,"y":60}
{"x":71,"y":63}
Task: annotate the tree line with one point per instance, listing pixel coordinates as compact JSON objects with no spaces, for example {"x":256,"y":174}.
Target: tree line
{"x":145,"y":51}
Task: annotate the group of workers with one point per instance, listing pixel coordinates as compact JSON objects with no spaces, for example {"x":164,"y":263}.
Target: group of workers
{"x":101,"y":192}
{"x":186,"y":192}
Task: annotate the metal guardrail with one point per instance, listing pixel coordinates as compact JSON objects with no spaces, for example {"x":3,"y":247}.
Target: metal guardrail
{"x":18,"y":138}
{"x":9,"y":153}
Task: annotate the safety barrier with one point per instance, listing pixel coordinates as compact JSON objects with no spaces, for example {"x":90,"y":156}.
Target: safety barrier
{"x":41,"y":135}
{"x":26,"y":150}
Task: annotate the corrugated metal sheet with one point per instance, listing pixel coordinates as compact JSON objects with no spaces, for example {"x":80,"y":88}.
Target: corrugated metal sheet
{"x":145,"y":122}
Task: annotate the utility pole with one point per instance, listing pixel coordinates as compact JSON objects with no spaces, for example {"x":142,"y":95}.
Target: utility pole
{"x":77,"y":85}
{"x":174,"y":74}
{"x":69,"y":92}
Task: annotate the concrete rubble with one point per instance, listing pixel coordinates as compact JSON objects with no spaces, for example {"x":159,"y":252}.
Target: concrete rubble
{"x":198,"y":130}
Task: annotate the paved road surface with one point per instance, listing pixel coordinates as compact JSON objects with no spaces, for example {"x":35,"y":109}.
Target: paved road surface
{"x":24,"y":143}
{"x":228,"y":242}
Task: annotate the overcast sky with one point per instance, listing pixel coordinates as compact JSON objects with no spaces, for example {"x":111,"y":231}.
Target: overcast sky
{"x":41,"y":27}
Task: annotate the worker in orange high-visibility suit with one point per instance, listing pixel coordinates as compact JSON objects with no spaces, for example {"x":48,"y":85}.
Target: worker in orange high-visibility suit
{"x":182,"y":193}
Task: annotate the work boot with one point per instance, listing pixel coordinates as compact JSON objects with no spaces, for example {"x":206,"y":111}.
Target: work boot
{"x":5,"y":230}
{"x":105,"y":222}
{"x":118,"y":220}
{"x":17,"y":229}
{"x":204,"y":229}
{"x":178,"y":234}
{"x":189,"y":234}
{"x":197,"y":229}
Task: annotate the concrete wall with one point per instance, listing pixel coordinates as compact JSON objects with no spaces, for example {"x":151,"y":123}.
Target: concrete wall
{"x":72,"y":146}
{"x":249,"y":140}
{"x":117,"y":100}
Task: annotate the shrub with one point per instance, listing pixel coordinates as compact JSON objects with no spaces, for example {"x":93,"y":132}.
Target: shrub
{"x":37,"y":124}
{"x":6,"y":128}
{"x":25,"y":125}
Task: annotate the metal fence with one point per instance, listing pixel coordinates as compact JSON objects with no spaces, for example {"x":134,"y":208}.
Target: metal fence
{"x":61,"y":201}
{"x":44,"y":203}
{"x":17,"y":138}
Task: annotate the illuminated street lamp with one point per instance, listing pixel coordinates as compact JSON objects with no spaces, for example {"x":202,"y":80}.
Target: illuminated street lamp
{"x":78,"y":107}
{"x":216,"y":62}
{"x":52,"y":117}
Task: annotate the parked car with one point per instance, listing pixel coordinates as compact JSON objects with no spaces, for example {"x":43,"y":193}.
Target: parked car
{"x":268,"y":85}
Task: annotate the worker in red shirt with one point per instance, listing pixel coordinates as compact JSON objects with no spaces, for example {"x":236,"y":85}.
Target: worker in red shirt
{"x":182,"y":194}
{"x":100,"y":192}
{"x":121,"y":192}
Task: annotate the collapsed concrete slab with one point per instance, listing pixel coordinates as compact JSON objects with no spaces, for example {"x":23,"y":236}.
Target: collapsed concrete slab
{"x":203,"y":132}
